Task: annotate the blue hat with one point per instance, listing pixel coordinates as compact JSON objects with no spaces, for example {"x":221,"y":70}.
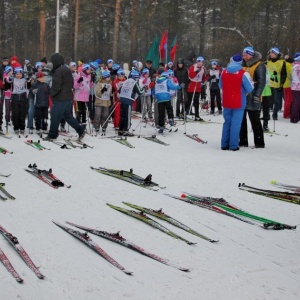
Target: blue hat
{"x":237,"y":59}
{"x":98,"y":61}
{"x":170,"y":63}
{"x":27,"y":60}
{"x":134,"y":62}
{"x":72,"y":64}
{"x":249,"y":50}
{"x":105,"y":74}
{"x":85,"y":67}
{"x":121,"y":72}
{"x":135,"y":74}
{"x":145,"y":71}
{"x":296,"y":57}
{"x":214,"y":63}
{"x":94,"y":65}
{"x":110,"y":61}
{"x":165,"y":74}
{"x":274,"y":50}
{"x":200,"y":58}
{"x":170,"y":72}
{"x":116,"y":67}
{"x":18,"y":70}
{"x":8,"y":69}
{"x":38,"y":65}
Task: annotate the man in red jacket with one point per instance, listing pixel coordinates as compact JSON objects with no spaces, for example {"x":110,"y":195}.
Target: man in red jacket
{"x":196,"y":75}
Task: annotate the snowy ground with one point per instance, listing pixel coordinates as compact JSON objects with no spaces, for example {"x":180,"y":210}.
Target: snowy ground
{"x":248,"y":262}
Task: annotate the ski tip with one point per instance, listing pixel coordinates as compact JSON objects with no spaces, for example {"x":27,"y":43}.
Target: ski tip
{"x":183,"y":196}
{"x":213,"y":241}
{"x":128,"y":272}
{"x":184,"y":269}
{"x":191,"y":243}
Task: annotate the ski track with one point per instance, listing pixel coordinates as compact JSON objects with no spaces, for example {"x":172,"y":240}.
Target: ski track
{"x":247,"y":262}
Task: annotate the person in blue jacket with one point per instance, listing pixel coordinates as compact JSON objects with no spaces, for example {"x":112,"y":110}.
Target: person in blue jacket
{"x":163,"y":97}
{"x":235,"y":84}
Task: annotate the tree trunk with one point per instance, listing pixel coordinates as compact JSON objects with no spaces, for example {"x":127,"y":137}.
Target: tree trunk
{"x":134,"y":29}
{"x":77,"y":3}
{"x":42,"y":28}
{"x":116,"y":30}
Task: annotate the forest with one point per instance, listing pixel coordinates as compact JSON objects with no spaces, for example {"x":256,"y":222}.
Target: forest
{"x":125,"y":29}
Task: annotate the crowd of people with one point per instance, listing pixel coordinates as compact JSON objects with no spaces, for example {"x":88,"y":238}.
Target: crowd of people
{"x":91,"y":94}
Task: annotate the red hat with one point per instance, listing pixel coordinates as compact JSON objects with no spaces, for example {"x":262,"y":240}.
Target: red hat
{"x":40,"y":74}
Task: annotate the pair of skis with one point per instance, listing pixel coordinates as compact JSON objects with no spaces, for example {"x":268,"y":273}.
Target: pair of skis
{"x":6,"y":136}
{"x":4,"y":151}
{"x":196,"y":138}
{"x":130,"y":177}
{"x":283,"y":196}
{"x":123,"y":141}
{"x":23,"y":254}
{"x":36,"y":145}
{"x":46,"y":176}
{"x":5,"y":192}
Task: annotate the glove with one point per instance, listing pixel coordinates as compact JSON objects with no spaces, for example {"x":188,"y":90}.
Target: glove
{"x":274,"y":73}
{"x":34,"y":91}
{"x":182,"y":85}
{"x":80,"y":79}
{"x":212,"y":76}
{"x":256,"y":99}
{"x":104,"y":89}
{"x":198,"y":70}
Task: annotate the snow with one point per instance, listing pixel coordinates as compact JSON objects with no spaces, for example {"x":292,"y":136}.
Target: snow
{"x":248,"y":262}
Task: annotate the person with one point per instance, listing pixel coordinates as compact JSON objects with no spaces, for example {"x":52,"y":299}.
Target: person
{"x":103,"y":91}
{"x":215,"y":94}
{"x":295,"y":108}
{"x":196,"y":75}
{"x":277,"y":68}
{"x":5,"y":63}
{"x":181,"y":73}
{"x":128,"y":94}
{"x":287,"y":92}
{"x":19,"y":100}
{"x":173,"y":93}
{"x":144,"y":82}
{"x":27,"y":69}
{"x":235,"y":83}
{"x":82,"y":87}
{"x":40,"y":92}
{"x":62,"y":98}
{"x":162,"y":93}
{"x":149,"y":66}
{"x":252,"y":63}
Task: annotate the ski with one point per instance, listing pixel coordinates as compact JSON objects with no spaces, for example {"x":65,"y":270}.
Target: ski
{"x":84,"y":145}
{"x":40,"y":176}
{"x":2,"y":198}
{"x":142,"y":217}
{"x":163,"y":216}
{"x":196,"y":138}
{"x":70,"y":143}
{"x":119,"y":174}
{"x":20,"y":250}
{"x":10,"y":267}
{"x":50,"y":176}
{"x":4,"y":175}
{"x":117,"y":238}
{"x":271,"y":133}
{"x":123,"y":141}
{"x":154,"y":139}
{"x":295,"y":189}
{"x":5,"y":192}
{"x":6,"y":136}
{"x":83,"y":237}
{"x":36,"y":145}
{"x":4,"y":151}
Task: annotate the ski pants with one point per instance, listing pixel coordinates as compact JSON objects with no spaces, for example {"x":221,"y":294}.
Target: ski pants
{"x":162,"y":107}
{"x":19,"y":114}
{"x":125,"y":122}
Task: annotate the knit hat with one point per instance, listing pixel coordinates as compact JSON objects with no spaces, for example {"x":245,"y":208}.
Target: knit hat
{"x":44,"y":59}
{"x":249,"y":50}
{"x":27,"y":61}
{"x":85,"y":67}
{"x":236,"y":58}
{"x":180,"y":61}
{"x":38,"y":65}
{"x":297,"y":56}
{"x":8,"y":69}
{"x":214,"y":63}
{"x":98,"y":61}
{"x":110,"y":61}
{"x":40,"y":74}
{"x":170,"y":72}
{"x":164,"y":74}
{"x":135,"y":74}
{"x":274,"y":50}
{"x":80,"y":62}
{"x":72,"y":64}
{"x":121,"y":72}
{"x":105,"y":74}
{"x":116,"y":67}
{"x":170,"y":63}
{"x":145,"y":71}
{"x":18,"y":70}
{"x":94,"y":65}
{"x":148,"y":61}
{"x":14,"y":58}
{"x":200,"y":58}
{"x":5,"y":59}
{"x":134,"y":62}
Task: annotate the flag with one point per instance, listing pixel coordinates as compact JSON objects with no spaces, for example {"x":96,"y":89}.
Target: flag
{"x":163,"y":46}
{"x":152,"y":53}
{"x":173,"y":49}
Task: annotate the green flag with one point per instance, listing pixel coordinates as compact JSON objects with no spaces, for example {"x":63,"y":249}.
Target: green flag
{"x":153,"y":53}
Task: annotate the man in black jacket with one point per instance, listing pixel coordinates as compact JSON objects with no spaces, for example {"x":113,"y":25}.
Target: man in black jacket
{"x":62,"y":98}
{"x":253,"y":64}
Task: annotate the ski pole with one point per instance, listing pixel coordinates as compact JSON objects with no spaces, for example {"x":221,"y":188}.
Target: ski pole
{"x":190,"y":108}
{"x":143,"y":115}
{"x":114,"y":108}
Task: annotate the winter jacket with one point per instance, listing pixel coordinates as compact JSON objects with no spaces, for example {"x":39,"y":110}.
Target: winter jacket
{"x":41,"y":98}
{"x":296,"y":77}
{"x":214,"y":78}
{"x":257,"y":71}
{"x":62,"y":80}
{"x":196,"y":77}
{"x":82,"y":89}
{"x":103,"y":97}
{"x":19,"y":89}
{"x":182,"y":75}
{"x":162,"y":89}
{"x":133,"y":91}
{"x":237,"y":83}
{"x":277,"y":69}
{"x":289,"y":72}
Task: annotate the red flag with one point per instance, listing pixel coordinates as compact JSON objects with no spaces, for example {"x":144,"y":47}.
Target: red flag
{"x":163,"y":45}
{"x":174,"y":49}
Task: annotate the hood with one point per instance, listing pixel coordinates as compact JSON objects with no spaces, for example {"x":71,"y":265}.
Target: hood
{"x":257,"y":57}
{"x":233,"y":67}
{"x":57,"y":61}
{"x":161,"y":79}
